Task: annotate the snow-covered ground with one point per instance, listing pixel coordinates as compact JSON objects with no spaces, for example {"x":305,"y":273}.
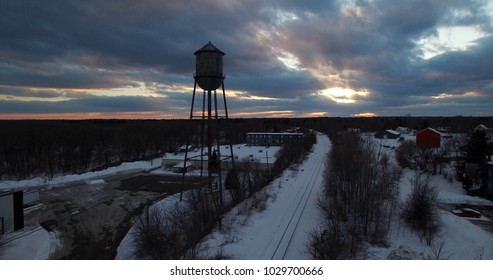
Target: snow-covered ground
{"x":288,"y":218}
{"x":37,"y":243}
{"x":90,"y":177}
{"x":240,"y":152}
{"x":255,"y":236}
{"x":258,"y":235}
{"x":34,"y":242}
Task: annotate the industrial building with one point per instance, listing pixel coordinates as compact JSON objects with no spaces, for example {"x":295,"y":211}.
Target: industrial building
{"x":272,"y":139}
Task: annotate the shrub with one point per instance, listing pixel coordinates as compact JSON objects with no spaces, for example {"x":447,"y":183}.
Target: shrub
{"x":360,"y":191}
{"x":420,"y":210}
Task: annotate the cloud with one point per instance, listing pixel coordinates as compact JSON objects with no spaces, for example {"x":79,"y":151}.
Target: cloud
{"x":100,"y":56}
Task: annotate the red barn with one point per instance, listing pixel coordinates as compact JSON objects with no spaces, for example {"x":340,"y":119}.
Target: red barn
{"x":428,"y":138}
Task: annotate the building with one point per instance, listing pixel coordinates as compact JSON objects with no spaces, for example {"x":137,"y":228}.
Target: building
{"x":182,"y":167}
{"x":388,"y":134}
{"x":11,"y":212}
{"x":404,"y":130}
{"x":272,"y":139}
{"x":428,"y":138}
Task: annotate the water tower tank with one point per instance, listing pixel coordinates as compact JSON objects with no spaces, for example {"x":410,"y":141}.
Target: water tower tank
{"x":209,"y":67}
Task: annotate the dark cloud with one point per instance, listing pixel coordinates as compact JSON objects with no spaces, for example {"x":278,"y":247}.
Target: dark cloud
{"x":51,"y":48}
{"x":89,"y":104}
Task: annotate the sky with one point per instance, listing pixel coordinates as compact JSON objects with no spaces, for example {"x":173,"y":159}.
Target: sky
{"x":283,"y":58}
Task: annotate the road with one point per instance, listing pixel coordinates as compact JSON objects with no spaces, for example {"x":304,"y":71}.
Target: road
{"x":486,"y":220}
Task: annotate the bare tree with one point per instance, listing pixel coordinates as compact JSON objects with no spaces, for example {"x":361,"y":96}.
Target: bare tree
{"x":156,"y":236}
{"x":359,"y":197}
{"x":420,"y":210}
{"x":438,"y":250}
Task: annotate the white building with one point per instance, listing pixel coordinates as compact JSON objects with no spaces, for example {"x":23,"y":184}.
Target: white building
{"x":11,"y":212}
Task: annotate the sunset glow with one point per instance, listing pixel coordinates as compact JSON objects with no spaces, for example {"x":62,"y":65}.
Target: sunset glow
{"x":343,"y":95}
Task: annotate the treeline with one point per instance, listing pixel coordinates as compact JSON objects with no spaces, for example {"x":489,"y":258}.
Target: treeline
{"x":334,"y":125}
{"x":45,"y":148}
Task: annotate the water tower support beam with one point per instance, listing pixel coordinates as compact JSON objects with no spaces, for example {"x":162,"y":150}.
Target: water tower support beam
{"x":202,"y":137}
{"x":209,"y":137}
{"x":228,"y":131}
{"x":218,"y":135}
{"x":187,"y":143}
{"x":193,"y":99}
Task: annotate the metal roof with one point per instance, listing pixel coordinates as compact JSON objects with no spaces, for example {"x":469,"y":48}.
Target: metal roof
{"x":431,"y":129}
{"x":209,"y":47}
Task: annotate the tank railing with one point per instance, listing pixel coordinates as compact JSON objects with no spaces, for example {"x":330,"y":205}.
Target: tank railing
{"x":209,"y":76}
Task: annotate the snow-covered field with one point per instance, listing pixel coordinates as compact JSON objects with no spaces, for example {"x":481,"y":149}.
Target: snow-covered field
{"x":90,"y":177}
{"x":255,"y":236}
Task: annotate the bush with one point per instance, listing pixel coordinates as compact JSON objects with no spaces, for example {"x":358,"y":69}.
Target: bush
{"x":406,"y":153}
{"x":360,"y":192}
{"x":156,"y":235}
{"x":420,"y":210}
{"x":175,"y":233}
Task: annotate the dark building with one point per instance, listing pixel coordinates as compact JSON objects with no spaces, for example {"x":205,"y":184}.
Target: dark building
{"x":388,"y":134}
{"x":272,"y":139}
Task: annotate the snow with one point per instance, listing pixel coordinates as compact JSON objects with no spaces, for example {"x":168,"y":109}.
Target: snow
{"x":96,"y":182}
{"x":37,"y":243}
{"x":260,"y":236}
{"x":29,"y":244}
{"x":63,"y":179}
{"x":125,"y":249}
{"x":257,"y":235}
{"x":261,"y":154}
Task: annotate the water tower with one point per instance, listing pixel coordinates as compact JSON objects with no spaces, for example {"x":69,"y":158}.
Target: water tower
{"x":209,"y":77}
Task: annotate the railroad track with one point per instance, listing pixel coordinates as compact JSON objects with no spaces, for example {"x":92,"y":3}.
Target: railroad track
{"x":284,"y":243}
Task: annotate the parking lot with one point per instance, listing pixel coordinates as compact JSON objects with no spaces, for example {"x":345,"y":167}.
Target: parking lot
{"x":486,"y":220}
{"x":90,"y":218}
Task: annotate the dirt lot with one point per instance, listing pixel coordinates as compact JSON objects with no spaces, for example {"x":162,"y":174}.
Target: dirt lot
{"x":92,"y":217}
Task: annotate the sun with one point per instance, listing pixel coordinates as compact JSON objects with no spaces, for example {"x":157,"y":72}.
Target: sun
{"x":343,"y":95}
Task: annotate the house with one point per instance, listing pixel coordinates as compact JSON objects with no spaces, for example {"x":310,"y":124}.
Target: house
{"x":428,"y":138}
{"x":388,"y":134}
{"x":272,"y":139}
{"x":481,"y":128}
{"x":11,"y":212}
{"x":404,"y":130}
{"x":477,"y":178}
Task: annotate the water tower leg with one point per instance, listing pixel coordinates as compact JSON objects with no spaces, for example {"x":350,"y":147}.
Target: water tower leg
{"x":186,"y":145}
{"x":228,"y":130}
{"x":209,"y":137}
{"x":218,"y":135}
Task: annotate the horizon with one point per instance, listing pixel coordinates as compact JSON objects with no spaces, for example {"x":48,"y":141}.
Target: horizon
{"x":113,"y":118}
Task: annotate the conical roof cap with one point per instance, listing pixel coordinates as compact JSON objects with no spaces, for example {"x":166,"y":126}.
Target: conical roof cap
{"x":209,"y":47}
